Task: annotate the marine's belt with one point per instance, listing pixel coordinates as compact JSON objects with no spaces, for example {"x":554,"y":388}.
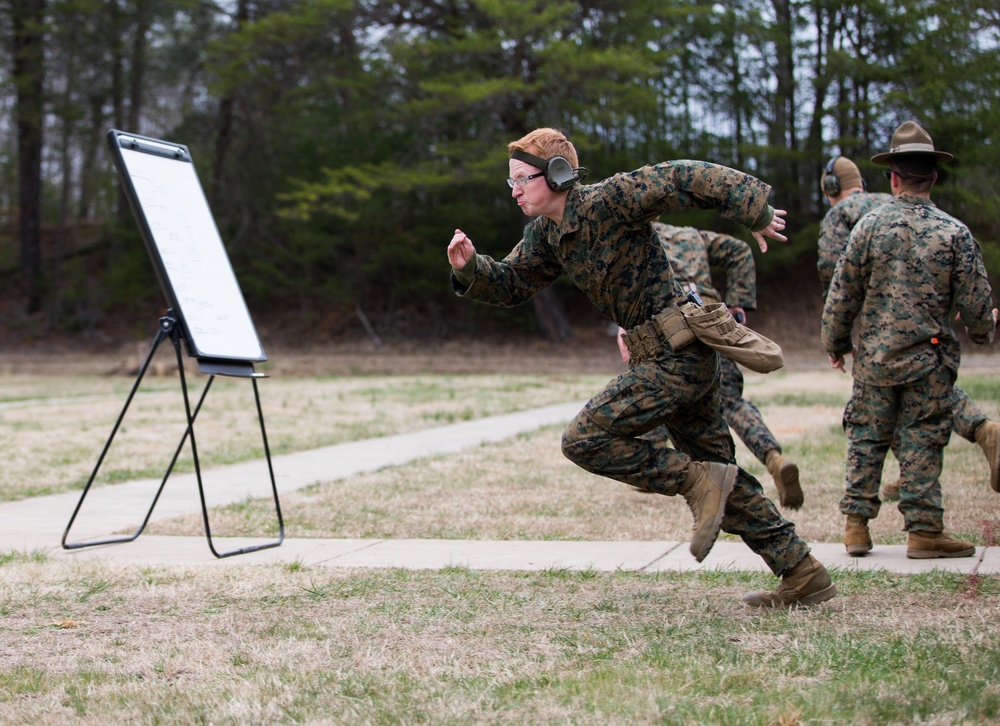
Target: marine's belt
{"x":667,"y":331}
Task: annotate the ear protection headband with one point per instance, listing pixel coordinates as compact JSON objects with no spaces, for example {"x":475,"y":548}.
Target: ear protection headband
{"x":559,"y":174}
{"x":831,"y":184}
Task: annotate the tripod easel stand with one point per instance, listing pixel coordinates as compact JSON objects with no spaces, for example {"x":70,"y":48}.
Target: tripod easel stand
{"x":168,"y":328}
{"x":206,"y":306}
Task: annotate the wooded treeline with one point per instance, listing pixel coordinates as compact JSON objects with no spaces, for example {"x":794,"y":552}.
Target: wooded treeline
{"x":341,"y":142}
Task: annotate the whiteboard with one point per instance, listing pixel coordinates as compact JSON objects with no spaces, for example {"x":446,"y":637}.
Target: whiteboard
{"x":183,"y":241}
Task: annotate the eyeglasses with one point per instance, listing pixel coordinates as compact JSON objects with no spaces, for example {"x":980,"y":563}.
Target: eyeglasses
{"x":888,"y":174}
{"x":522,"y":181}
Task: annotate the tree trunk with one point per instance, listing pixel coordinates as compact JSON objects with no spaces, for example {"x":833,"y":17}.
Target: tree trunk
{"x":785,"y":174}
{"x":92,"y":143}
{"x":118,"y":94}
{"x":223,"y":138}
{"x":29,"y":77}
{"x":138,"y":74}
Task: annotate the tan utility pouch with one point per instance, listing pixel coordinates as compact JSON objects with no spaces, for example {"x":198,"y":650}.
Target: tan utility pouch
{"x":666,"y":331}
{"x":674,"y":328}
{"x":714,"y":326}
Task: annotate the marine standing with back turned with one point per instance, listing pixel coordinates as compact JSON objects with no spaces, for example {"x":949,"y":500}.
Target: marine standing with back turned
{"x":849,"y":198}
{"x":906,"y":265}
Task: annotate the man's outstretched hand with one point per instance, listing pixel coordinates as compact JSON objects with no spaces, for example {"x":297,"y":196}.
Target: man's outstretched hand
{"x":773,"y":230}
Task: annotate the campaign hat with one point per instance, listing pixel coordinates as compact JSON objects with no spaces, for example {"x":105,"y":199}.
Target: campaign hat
{"x":910,"y":139}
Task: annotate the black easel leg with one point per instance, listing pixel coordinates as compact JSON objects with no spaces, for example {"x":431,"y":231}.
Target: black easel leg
{"x":168,"y":328}
{"x":197,"y":468}
{"x":165,"y":328}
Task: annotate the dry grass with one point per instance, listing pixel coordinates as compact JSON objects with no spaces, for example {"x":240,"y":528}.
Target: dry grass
{"x":98,"y":643}
{"x":90,"y":644}
{"x":51,"y":441}
{"x":525,"y":489}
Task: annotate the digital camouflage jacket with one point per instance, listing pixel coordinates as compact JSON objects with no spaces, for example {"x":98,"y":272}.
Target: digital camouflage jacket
{"x":836,"y":228}
{"x":693,"y":252}
{"x":606,"y":244}
{"x":906,"y":265}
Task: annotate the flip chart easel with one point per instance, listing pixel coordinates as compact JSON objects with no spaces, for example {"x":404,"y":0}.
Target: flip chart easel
{"x":207,"y":309}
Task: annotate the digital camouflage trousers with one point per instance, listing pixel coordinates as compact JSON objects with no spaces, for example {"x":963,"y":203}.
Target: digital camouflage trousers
{"x":743,"y":416}
{"x":681,"y":393}
{"x":965,"y":416}
{"x":916,"y":420}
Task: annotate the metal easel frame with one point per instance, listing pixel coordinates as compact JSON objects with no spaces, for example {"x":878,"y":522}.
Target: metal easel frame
{"x":168,"y":327}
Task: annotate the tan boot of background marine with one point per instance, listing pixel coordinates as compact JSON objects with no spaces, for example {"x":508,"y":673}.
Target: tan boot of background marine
{"x":890,"y":492}
{"x":808,"y":583}
{"x":988,"y":438}
{"x":857,"y":539}
{"x":786,"y":479}
{"x":928,"y":545}
{"x":706,"y":489}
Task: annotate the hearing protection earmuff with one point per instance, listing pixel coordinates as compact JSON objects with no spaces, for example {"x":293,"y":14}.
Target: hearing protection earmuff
{"x":831,"y":184}
{"x":559,"y":174}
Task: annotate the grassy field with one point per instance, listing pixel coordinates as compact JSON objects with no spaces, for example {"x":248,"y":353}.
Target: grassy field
{"x":99,"y":643}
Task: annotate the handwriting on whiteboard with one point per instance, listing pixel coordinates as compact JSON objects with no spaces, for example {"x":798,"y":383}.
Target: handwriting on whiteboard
{"x":192,"y":254}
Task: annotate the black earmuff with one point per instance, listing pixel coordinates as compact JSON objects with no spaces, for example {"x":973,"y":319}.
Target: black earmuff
{"x":560,"y":175}
{"x":831,"y":184}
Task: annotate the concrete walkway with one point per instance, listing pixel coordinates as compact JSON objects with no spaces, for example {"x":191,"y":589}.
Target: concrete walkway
{"x":39,"y":524}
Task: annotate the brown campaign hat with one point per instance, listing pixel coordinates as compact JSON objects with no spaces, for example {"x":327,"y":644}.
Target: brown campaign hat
{"x":910,"y":140}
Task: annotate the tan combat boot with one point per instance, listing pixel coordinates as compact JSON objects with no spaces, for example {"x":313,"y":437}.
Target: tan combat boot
{"x":786,"y":479}
{"x":706,"y":489}
{"x":890,"y":492}
{"x":857,"y":539}
{"x":808,"y":583}
{"x":928,"y":545}
{"x":988,"y":438}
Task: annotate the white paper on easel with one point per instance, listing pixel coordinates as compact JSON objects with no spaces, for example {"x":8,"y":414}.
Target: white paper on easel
{"x":193,"y":256}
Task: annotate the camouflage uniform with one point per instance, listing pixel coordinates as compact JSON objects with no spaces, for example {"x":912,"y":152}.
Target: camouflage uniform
{"x":833,"y":233}
{"x":836,"y":228}
{"x":916,"y":262}
{"x":692,"y":253}
{"x":606,"y":245}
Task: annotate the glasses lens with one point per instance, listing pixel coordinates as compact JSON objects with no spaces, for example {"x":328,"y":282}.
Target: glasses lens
{"x":888,"y":174}
{"x":510,"y":182}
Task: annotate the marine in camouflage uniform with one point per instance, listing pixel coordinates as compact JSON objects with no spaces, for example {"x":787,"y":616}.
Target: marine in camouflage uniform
{"x":905,"y":266}
{"x":836,"y":227}
{"x":692,"y":253}
{"x":846,"y":210}
{"x":600,"y":235}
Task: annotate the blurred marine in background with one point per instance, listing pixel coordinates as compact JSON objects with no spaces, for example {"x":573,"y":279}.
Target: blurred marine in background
{"x":692,"y":253}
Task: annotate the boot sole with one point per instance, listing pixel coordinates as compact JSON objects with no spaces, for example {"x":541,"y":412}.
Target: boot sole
{"x":754,"y":601}
{"x":789,"y":490}
{"x":858,"y":550}
{"x":932,"y":554}
{"x":716,"y":524}
{"x":816,"y":598}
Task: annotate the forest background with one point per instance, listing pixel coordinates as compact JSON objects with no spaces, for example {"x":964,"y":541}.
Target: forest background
{"x":340,"y":143}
